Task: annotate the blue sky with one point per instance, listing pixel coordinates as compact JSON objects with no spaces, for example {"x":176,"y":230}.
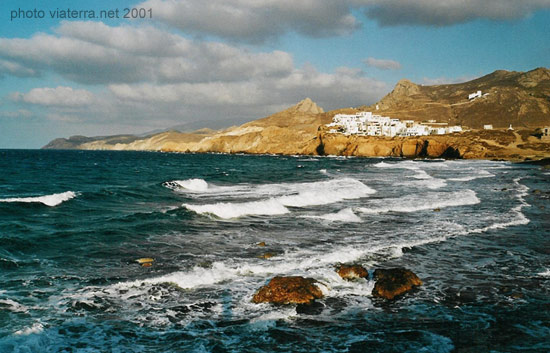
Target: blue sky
{"x":236,"y":60}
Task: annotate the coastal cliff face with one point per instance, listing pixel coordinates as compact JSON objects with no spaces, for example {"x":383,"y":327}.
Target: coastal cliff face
{"x":513,"y":97}
{"x":491,"y":144}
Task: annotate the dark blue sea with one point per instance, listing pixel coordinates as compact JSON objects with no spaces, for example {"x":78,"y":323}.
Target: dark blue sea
{"x":74,"y":223}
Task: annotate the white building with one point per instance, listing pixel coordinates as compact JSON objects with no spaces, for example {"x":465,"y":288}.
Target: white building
{"x":474,"y":95}
{"x":368,"y":124}
{"x":488,"y":127}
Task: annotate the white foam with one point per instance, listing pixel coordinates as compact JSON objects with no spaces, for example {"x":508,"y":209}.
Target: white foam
{"x":13,"y":306}
{"x":386,"y":165}
{"x":544,"y":273}
{"x":345,"y":215}
{"x":35,"y":328}
{"x":426,"y":201}
{"x":189,"y":184}
{"x":519,"y":219}
{"x":481,"y":174}
{"x":327,"y":192}
{"x":228,"y":210}
{"x":48,"y":200}
{"x":293,"y":195}
{"x":423,"y":179}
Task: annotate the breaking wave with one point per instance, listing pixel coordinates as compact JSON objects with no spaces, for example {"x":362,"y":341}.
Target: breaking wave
{"x":430,"y":200}
{"x":189,"y":184}
{"x":48,"y":200}
{"x":519,"y":219}
{"x":228,"y":210}
{"x":481,"y":174}
{"x":422,"y":178}
{"x":291,"y":195}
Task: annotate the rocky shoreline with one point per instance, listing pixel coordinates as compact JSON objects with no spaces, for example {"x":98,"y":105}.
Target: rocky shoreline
{"x":516,"y":146}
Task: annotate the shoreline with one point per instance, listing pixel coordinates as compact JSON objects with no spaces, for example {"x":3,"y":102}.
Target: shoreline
{"x":544,"y":161}
{"x":498,"y":144}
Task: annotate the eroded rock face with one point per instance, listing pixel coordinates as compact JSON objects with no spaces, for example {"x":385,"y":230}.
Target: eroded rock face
{"x":288,"y":290}
{"x":393,"y":282}
{"x":351,"y":272}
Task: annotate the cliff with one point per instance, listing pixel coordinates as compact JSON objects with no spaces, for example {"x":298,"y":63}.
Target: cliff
{"x":483,"y":144}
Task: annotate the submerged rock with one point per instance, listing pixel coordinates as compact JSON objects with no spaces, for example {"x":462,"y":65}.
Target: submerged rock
{"x":350,"y":272}
{"x":394,"y":282}
{"x":288,"y":290}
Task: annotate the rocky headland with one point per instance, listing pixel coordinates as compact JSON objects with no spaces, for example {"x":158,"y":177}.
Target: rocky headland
{"x":520,"y":99}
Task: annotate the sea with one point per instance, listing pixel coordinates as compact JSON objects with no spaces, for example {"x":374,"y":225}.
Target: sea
{"x":73,"y":225}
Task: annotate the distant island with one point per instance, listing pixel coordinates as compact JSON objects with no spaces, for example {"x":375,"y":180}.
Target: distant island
{"x":505,"y":115}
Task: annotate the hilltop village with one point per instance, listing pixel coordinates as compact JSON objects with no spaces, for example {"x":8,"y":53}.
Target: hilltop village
{"x":369,"y":124}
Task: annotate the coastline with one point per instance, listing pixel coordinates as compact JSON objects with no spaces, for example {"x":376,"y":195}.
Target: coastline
{"x":505,"y":145}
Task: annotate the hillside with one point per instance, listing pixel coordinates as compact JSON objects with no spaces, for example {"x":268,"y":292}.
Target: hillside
{"x":518,"y":98}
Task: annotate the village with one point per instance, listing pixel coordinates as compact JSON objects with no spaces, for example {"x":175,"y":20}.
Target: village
{"x":369,"y":124}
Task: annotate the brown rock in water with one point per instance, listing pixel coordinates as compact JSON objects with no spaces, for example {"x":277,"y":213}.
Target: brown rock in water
{"x":267,"y":255}
{"x":288,"y":290}
{"x":394,"y":282}
{"x":352,"y":272}
{"x":261,"y":243}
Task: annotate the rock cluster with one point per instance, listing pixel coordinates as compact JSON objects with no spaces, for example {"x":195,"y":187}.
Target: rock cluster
{"x":390,"y":284}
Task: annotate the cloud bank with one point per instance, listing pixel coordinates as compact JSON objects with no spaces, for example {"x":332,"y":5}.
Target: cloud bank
{"x":256,"y":21}
{"x":261,"y":20}
{"x":144,"y":74}
{"x":446,"y":12}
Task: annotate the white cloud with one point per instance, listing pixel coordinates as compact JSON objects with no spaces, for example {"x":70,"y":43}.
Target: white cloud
{"x":140,"y":81}
{"x":345,"y":87}
{"x":137,"y":54}
{"x":59,"y":96}
{"x":382,"y":64}
{"x":446,"y":12}
{"x":255,"y":21}
{"x":15,"y":69}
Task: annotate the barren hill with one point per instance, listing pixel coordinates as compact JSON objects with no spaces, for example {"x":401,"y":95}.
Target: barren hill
{"x":518,"y":98}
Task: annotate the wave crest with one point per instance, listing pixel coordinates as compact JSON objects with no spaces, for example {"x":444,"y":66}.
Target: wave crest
{"x":291,"y":195}
{"x":48,"y":200}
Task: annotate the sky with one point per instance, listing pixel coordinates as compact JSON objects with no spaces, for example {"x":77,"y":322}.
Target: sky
{"x":224,"y":62}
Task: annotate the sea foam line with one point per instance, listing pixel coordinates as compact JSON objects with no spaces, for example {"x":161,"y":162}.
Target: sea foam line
{"x":520,"y":219}
{"x":48,"y":200}
{"x":430,"y":200}
{"x":294,"y":195}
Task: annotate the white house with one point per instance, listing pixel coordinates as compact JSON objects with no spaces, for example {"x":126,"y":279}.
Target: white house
{"x":474,"y":95}
{"x":488,"y":127}
{"x":366,"y":123}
